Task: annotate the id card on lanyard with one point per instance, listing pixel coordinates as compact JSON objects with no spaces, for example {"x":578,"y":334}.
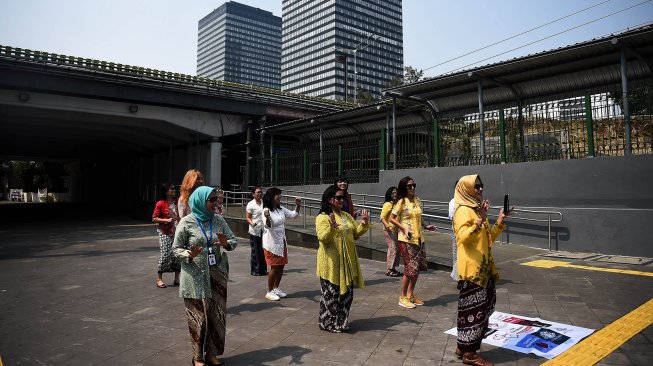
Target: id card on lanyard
{"x":212,"y":258}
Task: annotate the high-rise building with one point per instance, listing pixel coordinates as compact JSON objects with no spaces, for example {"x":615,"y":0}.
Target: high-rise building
{"x":321,"y":36}
{"x":240,"y":43}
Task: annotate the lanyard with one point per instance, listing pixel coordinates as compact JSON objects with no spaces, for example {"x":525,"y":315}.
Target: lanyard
{"x":208,"y":238}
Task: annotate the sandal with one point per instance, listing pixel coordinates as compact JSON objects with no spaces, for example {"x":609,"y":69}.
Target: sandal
{"x":473,"y":358}
{"x":161,"y":284}
{"x":393,"y":273}
{"x":176,"y":283}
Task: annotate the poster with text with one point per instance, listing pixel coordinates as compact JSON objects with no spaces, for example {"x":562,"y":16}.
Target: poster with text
{"x":531,"y":335}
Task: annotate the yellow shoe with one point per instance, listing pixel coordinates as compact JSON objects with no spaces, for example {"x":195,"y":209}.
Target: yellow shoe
{"x":416,"y":301}
{"x":405,"y":302}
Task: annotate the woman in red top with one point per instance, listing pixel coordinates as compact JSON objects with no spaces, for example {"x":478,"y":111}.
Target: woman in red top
{"x":165,"y":214}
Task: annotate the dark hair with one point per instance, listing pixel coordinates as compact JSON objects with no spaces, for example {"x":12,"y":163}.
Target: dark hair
{"x":388,"y":194}
{"x":254,"y":190}
{"x":268,"y":198}
{"x":163,"y":190}
{"x":328,"y":194}
{"x":402,"y":190}
{"x":341,"y":178}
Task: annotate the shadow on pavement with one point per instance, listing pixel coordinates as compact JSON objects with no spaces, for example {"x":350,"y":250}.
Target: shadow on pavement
{"x":442,"y":300}
{"x":369,"y":283}
{"x":262,"y":356}
{"x":252,"y":308}
{"x":29,"y":253}
{"x":380,"y":323}
{"x":312,"y":295}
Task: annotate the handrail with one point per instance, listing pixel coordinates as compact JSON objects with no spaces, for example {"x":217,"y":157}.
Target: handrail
{"x":549,"y":219}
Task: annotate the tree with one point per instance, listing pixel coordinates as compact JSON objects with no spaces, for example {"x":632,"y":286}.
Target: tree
{"x":395,"y":82}
{"x":640,"y":100}
{"x":412,"y":75}
{"x":365,"y":97}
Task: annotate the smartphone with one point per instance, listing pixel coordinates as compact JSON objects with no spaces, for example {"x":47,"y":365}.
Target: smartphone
{"x":506,"y":203}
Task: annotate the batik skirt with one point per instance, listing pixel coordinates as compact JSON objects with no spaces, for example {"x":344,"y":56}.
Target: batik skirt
{"x":207,"y":318}
{"x":334,"y":307}
{"x":475,"y":305}
{"x":392,"y":257}
{"x":414,"y":256}
{"x":168,"y":262}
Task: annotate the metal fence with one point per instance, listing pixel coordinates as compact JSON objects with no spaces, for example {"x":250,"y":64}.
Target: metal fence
{"x":572,"y":128}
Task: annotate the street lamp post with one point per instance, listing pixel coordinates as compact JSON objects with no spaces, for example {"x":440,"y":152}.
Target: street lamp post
{"x":359,"y":47}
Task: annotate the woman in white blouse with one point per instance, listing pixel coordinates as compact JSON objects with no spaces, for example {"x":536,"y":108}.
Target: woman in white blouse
{"x":274,"y":239}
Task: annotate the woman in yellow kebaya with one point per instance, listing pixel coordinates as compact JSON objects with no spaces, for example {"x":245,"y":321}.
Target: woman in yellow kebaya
{"x":337,"y":259}
{"x":477,"y":274}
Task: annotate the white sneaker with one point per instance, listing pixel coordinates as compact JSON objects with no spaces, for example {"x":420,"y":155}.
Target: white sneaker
{"x":279,"y":293}
{"x":272,"y":296}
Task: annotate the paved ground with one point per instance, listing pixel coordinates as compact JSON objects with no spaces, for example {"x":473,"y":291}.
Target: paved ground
{"x":81,"y":292}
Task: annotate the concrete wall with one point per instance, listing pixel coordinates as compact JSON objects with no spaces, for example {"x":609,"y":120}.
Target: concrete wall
{"x":607,"y":202}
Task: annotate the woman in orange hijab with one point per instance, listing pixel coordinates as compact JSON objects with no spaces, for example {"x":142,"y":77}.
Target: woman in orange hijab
{"x":477,"y":274}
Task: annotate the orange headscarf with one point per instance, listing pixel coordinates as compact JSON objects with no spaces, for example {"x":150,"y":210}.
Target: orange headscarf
{"x":465,"y":194}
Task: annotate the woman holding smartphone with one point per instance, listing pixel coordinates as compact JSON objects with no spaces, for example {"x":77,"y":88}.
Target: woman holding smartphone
{"x":477,"y":274}
{"x":406,"y":216}
{"x":200,"y":238}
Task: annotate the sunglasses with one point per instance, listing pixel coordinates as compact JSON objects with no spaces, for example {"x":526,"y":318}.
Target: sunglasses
{"x":478,"y":186}
{"x":339,"y":198}
{"x":213,"y":199}
{"x":411,"y":186}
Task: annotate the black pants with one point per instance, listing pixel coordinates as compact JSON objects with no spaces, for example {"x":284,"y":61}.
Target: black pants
{"x":257,"y":260}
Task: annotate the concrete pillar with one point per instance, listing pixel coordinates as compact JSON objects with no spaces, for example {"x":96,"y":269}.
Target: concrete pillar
{"x":248,"y":157}
{"x":214,"y":163}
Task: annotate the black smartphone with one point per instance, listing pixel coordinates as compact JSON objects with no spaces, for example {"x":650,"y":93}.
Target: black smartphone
{"x":506,"y":203}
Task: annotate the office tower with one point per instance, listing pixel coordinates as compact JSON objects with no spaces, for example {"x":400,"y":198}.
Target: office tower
{"x":240,"y":43}
{"x":319,"y":37}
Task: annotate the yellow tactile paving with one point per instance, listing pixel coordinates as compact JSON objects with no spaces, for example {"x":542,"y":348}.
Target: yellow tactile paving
{"x":600,"y":344}
{"x":545,"y":263}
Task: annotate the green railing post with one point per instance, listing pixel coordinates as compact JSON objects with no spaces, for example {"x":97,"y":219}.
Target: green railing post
{"x":436,"y":141}
{"x":502,"y":135}
{"x":276,"y":169}
{"x":339,"y":159}
{"x":305,"y":167}
{"x":382,"y":150}
{"x":590,"y":126}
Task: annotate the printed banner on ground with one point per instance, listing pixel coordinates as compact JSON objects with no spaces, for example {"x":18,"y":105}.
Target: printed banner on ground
{"x":531,"y":335}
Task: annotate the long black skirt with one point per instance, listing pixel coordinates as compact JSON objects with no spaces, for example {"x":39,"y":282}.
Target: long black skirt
{"x":475,"y":305}
{"x":334,"y":308}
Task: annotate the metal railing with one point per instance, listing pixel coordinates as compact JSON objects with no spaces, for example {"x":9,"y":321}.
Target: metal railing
{"x":579,"y":127}
{"x":311,"y":205}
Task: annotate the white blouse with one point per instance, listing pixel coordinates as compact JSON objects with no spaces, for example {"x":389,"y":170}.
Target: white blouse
{"x":274,"y":237}
{"x":256,"y":211}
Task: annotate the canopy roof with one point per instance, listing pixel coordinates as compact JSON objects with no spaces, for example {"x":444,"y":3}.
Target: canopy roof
{"x":565,"y":72}
{"x":580,"y":69}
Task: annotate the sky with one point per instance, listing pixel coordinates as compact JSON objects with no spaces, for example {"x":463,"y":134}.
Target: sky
{"x":162,"y":34}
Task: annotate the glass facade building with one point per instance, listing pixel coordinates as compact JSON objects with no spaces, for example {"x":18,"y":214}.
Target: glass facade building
{"x":242,"y":44}
{"x":366,"y":35}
